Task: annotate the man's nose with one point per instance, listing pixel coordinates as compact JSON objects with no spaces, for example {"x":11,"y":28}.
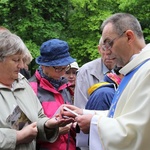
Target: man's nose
{"x":108,"y":51}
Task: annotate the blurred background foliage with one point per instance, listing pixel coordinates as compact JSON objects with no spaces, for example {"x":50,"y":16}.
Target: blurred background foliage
{"x":75,"y":21}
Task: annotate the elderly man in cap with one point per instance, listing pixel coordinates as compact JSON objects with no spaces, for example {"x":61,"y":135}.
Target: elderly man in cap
{"x":53,"y":90}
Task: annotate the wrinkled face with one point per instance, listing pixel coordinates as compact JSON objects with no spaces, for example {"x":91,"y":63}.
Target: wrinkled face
{"x":108,"y":59}
{"x":10,"y":68}
{"x":114,"y":44}
{"x":71,"y":75}
{"x":54,"y":72}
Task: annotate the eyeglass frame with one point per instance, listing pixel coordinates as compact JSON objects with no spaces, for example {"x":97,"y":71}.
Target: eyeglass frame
{"x":111,"y":42}
{"x":61,"y":69}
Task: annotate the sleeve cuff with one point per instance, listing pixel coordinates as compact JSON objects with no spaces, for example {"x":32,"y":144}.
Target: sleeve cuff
{"x":95,"y":112}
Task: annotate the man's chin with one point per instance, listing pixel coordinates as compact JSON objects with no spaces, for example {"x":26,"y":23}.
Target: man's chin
{"x":109,"y":63}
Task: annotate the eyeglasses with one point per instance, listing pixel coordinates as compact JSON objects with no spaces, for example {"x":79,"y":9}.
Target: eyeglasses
{"x":109,"y":44}
{"x":60,"y":69}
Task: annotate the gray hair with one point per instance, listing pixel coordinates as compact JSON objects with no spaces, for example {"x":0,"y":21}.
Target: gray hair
{"x":27,"y":58}
{"x":11,"y":44}
{"x":122,"y":22}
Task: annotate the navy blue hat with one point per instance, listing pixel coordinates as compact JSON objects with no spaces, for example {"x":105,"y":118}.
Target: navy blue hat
{"x":54,"y":52}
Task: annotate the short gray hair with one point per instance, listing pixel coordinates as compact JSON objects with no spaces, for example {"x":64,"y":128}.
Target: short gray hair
{"x":122,"y":22}
{"x":27,"y":58}
{"x":11,"y":44}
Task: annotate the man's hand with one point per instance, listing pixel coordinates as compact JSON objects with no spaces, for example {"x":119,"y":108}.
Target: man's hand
{"x":73,"y":108}
{"x":84,"y":122}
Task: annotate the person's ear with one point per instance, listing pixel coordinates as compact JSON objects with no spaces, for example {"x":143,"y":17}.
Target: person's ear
{"x":42,"y":66}
{"x":130,"y":35}
{"x":99,"y":49}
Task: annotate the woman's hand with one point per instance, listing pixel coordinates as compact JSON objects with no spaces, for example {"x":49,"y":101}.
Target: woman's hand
{"x":58,"y":122}
{"x":27,"y":134}
{"x":65,"y":129}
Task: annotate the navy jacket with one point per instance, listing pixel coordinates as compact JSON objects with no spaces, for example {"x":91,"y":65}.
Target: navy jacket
{"x":101,"y":98}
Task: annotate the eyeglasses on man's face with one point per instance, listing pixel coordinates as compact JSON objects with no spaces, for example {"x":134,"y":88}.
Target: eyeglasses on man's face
{"x":60,"y":69}
{"x":108,"y":44}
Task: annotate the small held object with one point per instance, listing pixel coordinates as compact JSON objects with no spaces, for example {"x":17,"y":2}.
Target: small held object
{"x":67,"y":109}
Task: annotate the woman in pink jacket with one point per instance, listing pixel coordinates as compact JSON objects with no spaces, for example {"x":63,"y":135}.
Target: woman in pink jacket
{"x":53,"y":90}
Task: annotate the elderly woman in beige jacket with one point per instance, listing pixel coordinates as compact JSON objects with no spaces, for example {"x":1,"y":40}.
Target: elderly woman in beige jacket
{"x":21,"y":116}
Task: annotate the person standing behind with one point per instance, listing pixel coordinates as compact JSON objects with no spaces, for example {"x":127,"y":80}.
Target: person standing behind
{"x":22,"y":119}
{"x":53,"y":89}
{"x":102,"y":93}
{"x":2,"y":28}
{"x":71,"y":74}
{"x":25,"y":70}
{"x":89,"y":74}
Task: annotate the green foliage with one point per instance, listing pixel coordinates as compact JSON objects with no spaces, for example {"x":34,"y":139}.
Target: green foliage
{"x":141,"y":10}
{"x":35,"y":51}
{"x":75,"y":21}
{"x":83,"y":30}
